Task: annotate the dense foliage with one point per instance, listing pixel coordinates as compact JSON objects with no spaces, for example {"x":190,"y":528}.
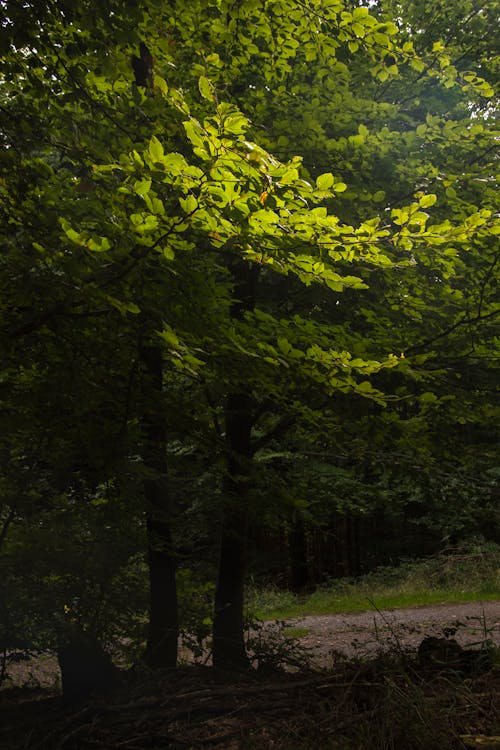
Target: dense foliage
{"x":248,"y":280}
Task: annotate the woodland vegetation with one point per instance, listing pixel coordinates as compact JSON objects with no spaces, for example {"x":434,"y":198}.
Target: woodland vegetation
{"x":249,"y":317}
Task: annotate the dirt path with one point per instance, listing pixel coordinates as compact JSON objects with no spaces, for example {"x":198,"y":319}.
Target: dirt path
{"x":369,"y":632}
{"x":359,"y":634}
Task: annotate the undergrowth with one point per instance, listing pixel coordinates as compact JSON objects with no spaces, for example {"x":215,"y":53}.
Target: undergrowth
{"x":392,"y":702}
{"x":457,"y":575}
{"x":387,"y":707}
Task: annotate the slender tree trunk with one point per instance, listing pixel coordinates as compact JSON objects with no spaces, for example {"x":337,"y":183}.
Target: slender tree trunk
{"x":228,"y":630}
{"x":299,"y":568}
{"x":161,"y":648}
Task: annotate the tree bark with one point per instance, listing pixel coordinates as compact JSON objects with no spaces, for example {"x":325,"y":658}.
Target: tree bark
{"x":161,"y":648}
{"x":228,"y":630}
{"x":299,"y":567}
{"x":85,"y":666}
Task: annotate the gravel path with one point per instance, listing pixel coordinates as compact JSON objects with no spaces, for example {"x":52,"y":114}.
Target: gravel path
{"x":369,"y":632}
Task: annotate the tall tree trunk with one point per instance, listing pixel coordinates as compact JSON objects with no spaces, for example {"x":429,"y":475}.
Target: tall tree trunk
{"x":228,"y":630}
{"x":161,"y":648}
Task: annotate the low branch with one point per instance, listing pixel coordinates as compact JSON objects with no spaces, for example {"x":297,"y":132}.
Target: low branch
{"x":277,"y":431}
{"x":465,"y":320}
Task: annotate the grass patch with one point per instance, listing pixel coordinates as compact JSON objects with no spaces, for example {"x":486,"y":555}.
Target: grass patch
{"x":328,"y":603}
{"x":296,"y":632}
{"x":468,"y":574}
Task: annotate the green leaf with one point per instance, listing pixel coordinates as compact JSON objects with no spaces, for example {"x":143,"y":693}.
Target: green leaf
{"x":195,"y":133}
{"x":206,"y":88}
{"x":361,"y":12}
{"x":155,"y":150}
{"x":325,"y":181}
{"x":131,"y":307}
{"x":284,"y":345}
{"x":264,"y":216}
{"x":381,"y":38}
{"x":160,"y":84}
{"x":98,"y":244}
{"x":70,"y":233}
{"x":189,"y":204}
{"x":168,"y":253}
{"x":417,"y":64}
{"x":137,"y":159}
{"x":123,"y":307}
{"x":175,"y":163}
{"x":142,"y":187}
{"x":391,"y":28}
{"x":236,"y":123}
{"x":170,"y":338}
{"x":427,"y":200}
{"x":400,"y":216}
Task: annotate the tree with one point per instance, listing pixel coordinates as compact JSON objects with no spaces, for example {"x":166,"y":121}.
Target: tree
{"x":224,"y":270}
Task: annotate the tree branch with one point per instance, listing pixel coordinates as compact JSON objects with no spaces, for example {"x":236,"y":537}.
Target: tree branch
{"x":465,"y":320}
{"x":277,"y":431}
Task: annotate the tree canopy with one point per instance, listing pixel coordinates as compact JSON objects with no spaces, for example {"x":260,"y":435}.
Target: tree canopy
{"x":249,"y":267}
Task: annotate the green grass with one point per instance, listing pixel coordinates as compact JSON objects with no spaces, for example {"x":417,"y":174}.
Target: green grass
{"x":327,"y":603}
{"x":296,"y":632}
{"x":467,"y":575}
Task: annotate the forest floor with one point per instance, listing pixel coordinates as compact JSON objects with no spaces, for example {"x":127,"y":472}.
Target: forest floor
{"x":359,"y":685}
{"x":323,"y":639}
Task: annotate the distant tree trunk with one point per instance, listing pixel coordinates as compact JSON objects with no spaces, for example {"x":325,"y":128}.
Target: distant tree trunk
{"x":228,"y":630}
{"x":161,"y":648}
{"x":299,"y":568}
{"x":354,"y":544}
